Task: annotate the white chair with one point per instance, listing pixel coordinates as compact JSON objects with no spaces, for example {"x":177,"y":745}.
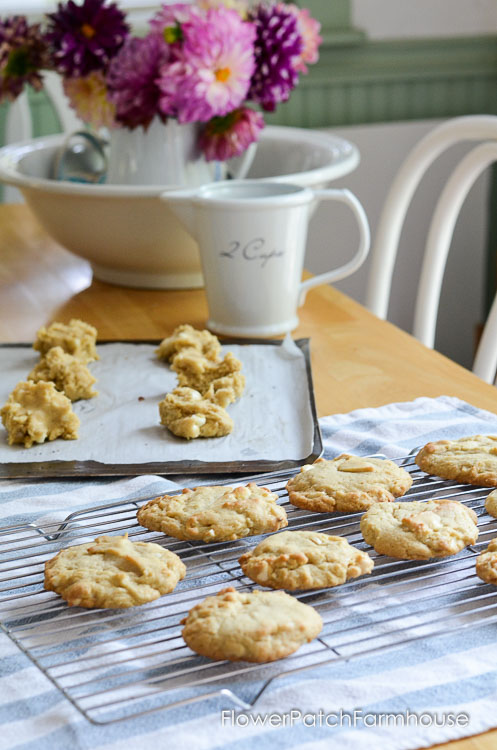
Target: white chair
{"x":383,"y":254}
{"x":19,"y":121}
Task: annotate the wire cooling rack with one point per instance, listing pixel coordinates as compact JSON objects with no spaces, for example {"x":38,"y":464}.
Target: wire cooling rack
{"x":114,"y":665}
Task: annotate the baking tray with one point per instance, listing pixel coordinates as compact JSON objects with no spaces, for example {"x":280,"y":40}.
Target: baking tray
{"x":115,"y":665}
{"x":91,"y":468}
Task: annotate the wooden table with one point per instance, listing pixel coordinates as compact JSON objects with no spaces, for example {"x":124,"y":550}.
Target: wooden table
{"x":357,"y":359}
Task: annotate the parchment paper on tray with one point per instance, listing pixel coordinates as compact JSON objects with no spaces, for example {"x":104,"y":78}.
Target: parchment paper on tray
{"x":275,"y":419}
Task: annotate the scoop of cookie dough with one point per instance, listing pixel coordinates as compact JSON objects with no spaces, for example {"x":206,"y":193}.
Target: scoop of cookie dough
{"x":347,"y":484}
{"x":35,"y":412}
{"x":486,"y":563}
{"x":113,"y":572}
{"x":260,"y":626}
{"x":76,"y":338}
{"x":214,"y":514}
{"x":418,"y":531}
{"x":221,"y":382}
{"x":186,"y":414}
{"x":68,"y":374}
{"x":470,"y":460}
{"x":491,"y":503}
{"x":187,"y":337}
{"x":304,"y":560}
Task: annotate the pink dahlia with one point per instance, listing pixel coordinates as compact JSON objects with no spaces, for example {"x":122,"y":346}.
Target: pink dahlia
{"x":88,"y":96}
{"x":309,"y":30}
{"x":213,"y":72}
{"x":85,"y":37}
{"x":22,"y":55}
{"x":169,"y":20}
{"x":229,"y":136}
{"x":278,"y":47}
{"x":131,"y":80}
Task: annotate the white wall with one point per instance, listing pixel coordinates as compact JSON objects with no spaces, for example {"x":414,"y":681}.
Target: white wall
{"x":383,"y":148}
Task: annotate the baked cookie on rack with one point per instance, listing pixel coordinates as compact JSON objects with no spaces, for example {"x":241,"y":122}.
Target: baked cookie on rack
{"x":77,"y":338}
{"x":214,"y":514}
{"x":221,"y":382}
{"x":491,"y":503}
{"x":35,"y":412}
{"x":347,"y":484}
{"x":187,"y":414}
{"x":419,"y":531}
{"x":69,"y":374}
{"x":486,"y":563}
{"x":187,"y":337}
{"x":304,"y":560}
{"x":258,"y":626}
{"x":113,"y":572}
{"x":470,"y":460}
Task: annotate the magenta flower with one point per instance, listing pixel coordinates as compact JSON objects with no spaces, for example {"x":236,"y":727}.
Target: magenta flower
{"x":278,"y":47}
{"x":309,"y":30}
{"x":229,"y":136}
{"x":212,"y":74}
{"x":22,"y":55}
{"x":169,"y":20}
{"x":131,"y":80}
{"x":85,"y":37}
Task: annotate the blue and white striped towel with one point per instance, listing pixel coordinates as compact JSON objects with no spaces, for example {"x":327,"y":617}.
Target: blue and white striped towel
{"x":456,"y":675}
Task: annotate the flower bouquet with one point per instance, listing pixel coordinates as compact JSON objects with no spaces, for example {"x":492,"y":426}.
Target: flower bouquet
{"x":218,"y":64}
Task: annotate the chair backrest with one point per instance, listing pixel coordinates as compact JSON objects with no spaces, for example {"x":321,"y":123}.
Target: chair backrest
{"x":481,"y":128}
{"x":19,"y":121}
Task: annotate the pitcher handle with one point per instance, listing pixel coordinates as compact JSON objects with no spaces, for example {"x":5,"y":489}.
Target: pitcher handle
{"x":239,"y":166}
{"x":344,"y":196}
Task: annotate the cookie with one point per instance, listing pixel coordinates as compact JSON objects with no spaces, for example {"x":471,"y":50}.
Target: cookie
{"x":187,"y":337}
{"x":76,"y":338}
{"x":35,"y":412}
{"x":214,"y":514}
{"x":491,"y":503}
{"x":469,"y":460}
{"x":347,"y":484}
{"x":260,"y":626}
{"x":418,"y":531}
{"x":186,"y":414}
{"x":68,"y":374}
{"x":221,"y":382}
{"x":113,"y":572}
{"x":486,"y":563}
{"x":304,"y":560}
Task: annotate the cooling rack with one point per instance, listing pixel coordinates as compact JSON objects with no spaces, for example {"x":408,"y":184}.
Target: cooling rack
{"x":114,"y":665}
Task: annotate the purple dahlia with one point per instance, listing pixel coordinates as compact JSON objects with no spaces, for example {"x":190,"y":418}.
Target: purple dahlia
{"x":22,"y":55}
{"x":131,"y":80}
{"x":278,"y":47}
{"x":85,"y":37}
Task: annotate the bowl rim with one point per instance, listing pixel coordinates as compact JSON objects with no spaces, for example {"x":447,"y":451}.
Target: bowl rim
{"x":344,"y":158}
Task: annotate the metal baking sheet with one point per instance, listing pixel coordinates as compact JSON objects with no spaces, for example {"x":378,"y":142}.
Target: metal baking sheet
{"x":276,"y":425}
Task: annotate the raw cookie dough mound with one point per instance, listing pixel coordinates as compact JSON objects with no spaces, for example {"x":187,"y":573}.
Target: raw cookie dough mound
{"x":304,"y":560}
{"x":113,"y":572}
{"x":187,"y":337}
{"x":77,"y":338}
{"x":470,"y":460}
{"x":222,"y":382}
{"x":186,"y":414}
{"x":260,"y":626}
{"x":35,"y":412}
{"x":347,"y":484}
{"x":214,"y":514}
{"x":68,"y":373}
{"x":418,"y":531}
{"x":486,"y":564}
{"x":491,"y":504}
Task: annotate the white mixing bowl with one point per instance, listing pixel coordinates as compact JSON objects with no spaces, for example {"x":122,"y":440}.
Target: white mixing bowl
{"x":127,"y":233}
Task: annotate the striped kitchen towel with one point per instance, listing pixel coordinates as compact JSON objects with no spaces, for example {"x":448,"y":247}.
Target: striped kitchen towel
{"x":431,"y":691}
